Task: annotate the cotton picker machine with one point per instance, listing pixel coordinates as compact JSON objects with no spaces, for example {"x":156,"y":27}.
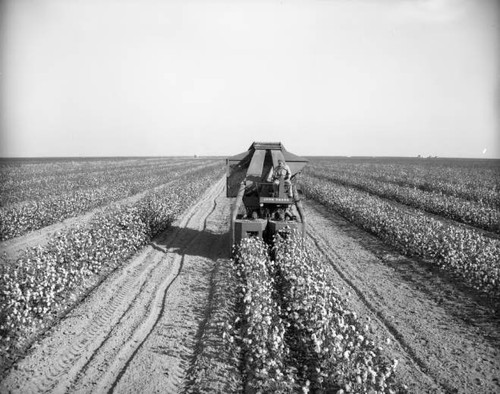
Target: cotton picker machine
{"x":268,"y":201}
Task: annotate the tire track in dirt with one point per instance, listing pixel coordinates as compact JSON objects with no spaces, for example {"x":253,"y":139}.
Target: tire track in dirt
{"x":124,"y":352}
{"x":95,"y":332}
{"x":117,"y":319}
{"x":156,"y":319}
{"x":163,"y":361}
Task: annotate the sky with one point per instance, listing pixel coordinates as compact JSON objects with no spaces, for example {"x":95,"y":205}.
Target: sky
{"x":327,"y":77}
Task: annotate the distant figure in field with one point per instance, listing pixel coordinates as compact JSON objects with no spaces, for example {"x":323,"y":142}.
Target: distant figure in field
{"x":282,"y":171}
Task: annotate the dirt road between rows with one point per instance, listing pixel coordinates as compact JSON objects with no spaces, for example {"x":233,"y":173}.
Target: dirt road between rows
{"x":142,"y":329}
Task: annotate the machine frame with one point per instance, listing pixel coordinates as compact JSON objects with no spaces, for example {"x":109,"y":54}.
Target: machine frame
{"x":266,"y":212}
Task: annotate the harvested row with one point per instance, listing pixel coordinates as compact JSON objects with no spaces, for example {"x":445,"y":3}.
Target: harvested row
{"x":45,"y":281}
{"x":462,"y":251}
{"x":19,"y":219}
{"x":473,"y":213}
{"x":296,"y":333}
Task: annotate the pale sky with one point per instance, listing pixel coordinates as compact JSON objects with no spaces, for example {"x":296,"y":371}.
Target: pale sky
{"x":329,"y":77}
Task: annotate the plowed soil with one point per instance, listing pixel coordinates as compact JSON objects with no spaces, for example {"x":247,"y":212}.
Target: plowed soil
{"x":141,"y":329}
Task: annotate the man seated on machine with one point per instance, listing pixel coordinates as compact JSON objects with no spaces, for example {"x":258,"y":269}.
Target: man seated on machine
{"x":282,"y":171}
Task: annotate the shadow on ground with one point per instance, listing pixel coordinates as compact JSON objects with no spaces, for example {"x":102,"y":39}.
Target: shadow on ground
{"x":191,"y":242}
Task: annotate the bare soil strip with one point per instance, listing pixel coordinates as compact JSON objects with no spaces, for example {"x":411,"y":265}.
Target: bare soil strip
{"x":445,"y":341}
{"x":137,"y":331}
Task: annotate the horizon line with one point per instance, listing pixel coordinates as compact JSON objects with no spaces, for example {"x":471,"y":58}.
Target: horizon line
{"x":219,"y":156}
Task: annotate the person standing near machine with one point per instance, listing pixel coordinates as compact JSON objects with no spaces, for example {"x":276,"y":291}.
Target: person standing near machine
{"x":282,"y":171}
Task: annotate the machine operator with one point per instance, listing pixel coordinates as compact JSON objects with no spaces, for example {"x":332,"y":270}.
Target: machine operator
{"x":282,"y":171}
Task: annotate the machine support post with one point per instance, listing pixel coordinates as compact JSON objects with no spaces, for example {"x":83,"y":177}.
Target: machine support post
{"x":300,"y":209}
{"x":236,"y":207}
{"x":302,"y":215}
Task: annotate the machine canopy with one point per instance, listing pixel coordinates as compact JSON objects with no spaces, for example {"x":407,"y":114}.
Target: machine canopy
{"x":257,"y":163}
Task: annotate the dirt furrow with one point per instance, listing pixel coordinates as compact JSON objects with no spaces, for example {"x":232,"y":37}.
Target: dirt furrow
{"x":119,"y":368}
{"x":444,"y":340}
{"x":161,"y":362}
{"x":102,"y":374}
{"x":90,"y":347}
